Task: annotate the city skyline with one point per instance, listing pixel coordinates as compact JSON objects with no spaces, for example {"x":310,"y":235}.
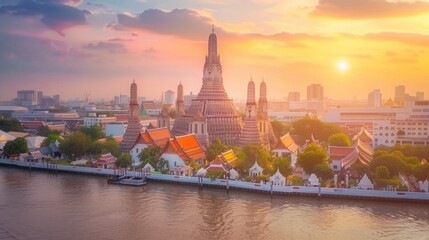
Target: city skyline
{"x":99,"y":47}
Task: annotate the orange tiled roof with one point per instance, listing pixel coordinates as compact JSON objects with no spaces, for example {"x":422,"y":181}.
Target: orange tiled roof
{"x":186,"y":147}
{"x":159,"y":136}
{"x":287,"y":142}
{"x":122,"y":117}
{"x":229,"y":158}
{"x":336,"y":152}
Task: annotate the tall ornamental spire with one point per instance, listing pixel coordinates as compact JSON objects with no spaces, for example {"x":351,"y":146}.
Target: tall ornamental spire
{"x":251,"y":92}
{"x":180,"y":108}
{"x":212,"y":50}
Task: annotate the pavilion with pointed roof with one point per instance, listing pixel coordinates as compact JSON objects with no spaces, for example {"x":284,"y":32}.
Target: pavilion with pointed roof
{"x":345,"y":157}
{"x":278,"y":179}
{"x":180,"y":151}
{"x":255,"y":170}
{"x":154,"y":137}
{"x":287,"y":147}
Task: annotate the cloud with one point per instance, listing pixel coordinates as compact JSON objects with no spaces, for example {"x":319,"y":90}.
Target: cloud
{"x":406,"y":38}
{"x":179,"y":22}
{"x":360,"y":56}
{"x":106,"y":46}
{"x":56,"y":15}
{"x":363,"y":9}
{"x":118,"y":39}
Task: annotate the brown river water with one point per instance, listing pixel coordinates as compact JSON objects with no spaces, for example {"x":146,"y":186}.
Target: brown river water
{"x":40,"y":205}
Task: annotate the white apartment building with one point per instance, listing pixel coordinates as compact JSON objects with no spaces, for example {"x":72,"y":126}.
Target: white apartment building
{"x":390,"y":125}
{"x":100,"y":120}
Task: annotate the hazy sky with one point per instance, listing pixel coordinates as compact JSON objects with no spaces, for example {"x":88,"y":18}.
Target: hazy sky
{"x":74,"y":47}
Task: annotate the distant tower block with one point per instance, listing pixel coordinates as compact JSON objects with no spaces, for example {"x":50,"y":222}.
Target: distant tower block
{"x":212,"y":109}
{"x":134,"y":127}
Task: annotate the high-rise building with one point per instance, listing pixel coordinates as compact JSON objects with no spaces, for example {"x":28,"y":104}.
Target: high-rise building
{"x":293,"y":97}
{"x":315,"y":92}
{"x":39,"y":97}
{"x":420,"y":96}
{"x":188,"y":99}
{"x":374,"y":98}
{"x":26,"y":98}
{"x":400,"y":94}
{"x":169,"y":97}
{"x":212,"y":114}
{"x":134,"y":127}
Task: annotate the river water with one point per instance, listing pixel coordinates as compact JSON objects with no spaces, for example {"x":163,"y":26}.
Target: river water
{"x":40,"y":205}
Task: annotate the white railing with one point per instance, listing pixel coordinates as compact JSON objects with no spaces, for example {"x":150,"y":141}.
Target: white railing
{"x":236,"y":184}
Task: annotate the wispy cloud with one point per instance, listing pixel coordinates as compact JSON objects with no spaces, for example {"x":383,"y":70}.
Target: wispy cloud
{"x":362,"y":9}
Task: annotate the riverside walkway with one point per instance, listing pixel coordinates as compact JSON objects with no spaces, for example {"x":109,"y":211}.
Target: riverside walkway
{"x":237,"y":185}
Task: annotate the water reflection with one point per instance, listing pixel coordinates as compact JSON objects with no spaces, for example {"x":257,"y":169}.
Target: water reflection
{"x":65,"y":206}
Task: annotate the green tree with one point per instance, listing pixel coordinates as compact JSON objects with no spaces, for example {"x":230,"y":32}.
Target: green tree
{"x":216,"y":148}
{"x":43,"y":131}
{"x":251,"y":153}
{"x":392,"y":161}
{"x":382,"y":172}
{"x":7,"y":125}
{"x":94,"y":132}
{"x":124,"y":160}
{"x":283,"y":164}
{"x":328,"y":130}
{"x":311,"y":156}
{"x":307,"y":126}
{"x":297,"y":181}
{"x":279,"y":128}
{"x":360,"y":168}
{"x":421,"y":172}
{"x":163,"y":165}
{"x":195,"y":167}
{"x":75,"y":145}
{"x":213,"y":175}
{"x":51,"y":138}
{"x":15,"y":147}
{"x":323,"y":171}
{"x":339,"y":139}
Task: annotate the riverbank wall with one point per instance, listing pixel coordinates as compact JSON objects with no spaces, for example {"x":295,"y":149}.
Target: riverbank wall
{"x":320,"y":192}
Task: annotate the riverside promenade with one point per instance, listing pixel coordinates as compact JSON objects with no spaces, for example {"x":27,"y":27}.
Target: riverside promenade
{"x":269,"y":189}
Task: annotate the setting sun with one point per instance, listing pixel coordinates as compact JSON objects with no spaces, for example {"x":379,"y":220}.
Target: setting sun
{"x":342,"y":66}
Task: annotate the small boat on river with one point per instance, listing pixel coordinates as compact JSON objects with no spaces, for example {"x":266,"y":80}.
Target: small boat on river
{"x":127,"y":180}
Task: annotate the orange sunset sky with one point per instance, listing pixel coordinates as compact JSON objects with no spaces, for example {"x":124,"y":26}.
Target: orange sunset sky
{"x":351,"y":47}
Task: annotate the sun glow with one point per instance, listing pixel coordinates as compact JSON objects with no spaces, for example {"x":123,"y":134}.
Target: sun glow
{"x":342,"y":66}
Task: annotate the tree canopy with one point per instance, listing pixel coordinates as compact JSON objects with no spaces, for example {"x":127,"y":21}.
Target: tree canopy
{"x":251,"y":153}
{"x":324,"y":171}
{"x":7,"y":125}
{"x":151,"y":156}
{"x":75,"y":145}
{"x":15,"y":147}
{"x":279,"y":128}
{"x":312,"y":156}
{"x":124,"y":160}
{"x":283,"y":165}
{"x":339,"y":139}
{"x":216,"y":148}
{"x":108,"y":146}
{"x":307,"y":126}
{"x":94,"y":132}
